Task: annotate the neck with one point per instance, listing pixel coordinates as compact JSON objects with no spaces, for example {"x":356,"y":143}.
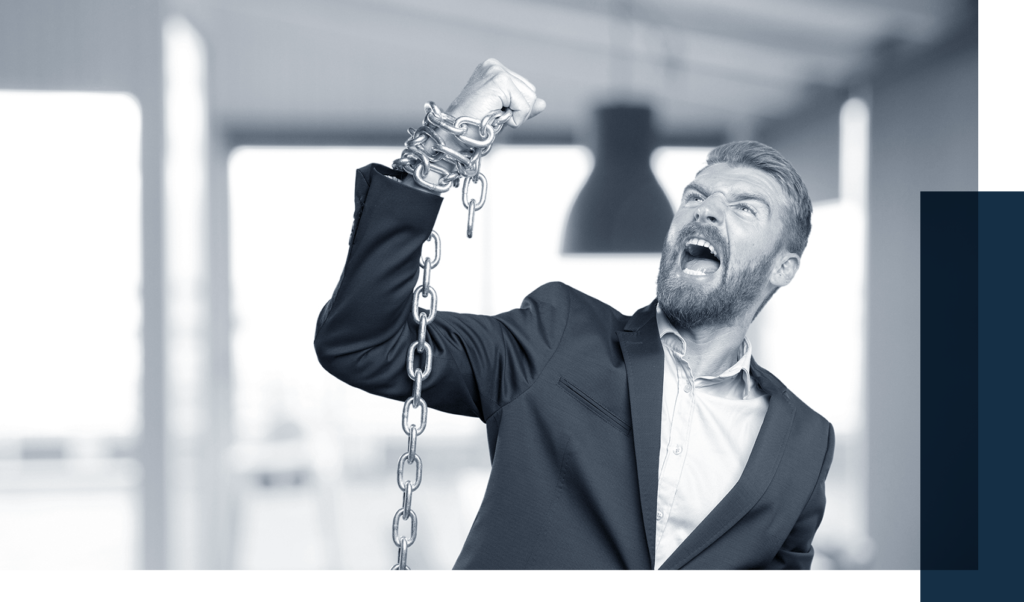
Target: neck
{"x":711,"y":350}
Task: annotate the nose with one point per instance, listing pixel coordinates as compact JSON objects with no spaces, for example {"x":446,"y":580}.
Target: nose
{"x":710,"y":209}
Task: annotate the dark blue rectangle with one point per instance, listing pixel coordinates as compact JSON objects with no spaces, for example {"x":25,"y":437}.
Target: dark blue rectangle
{"x":949,"y":380}
{"x":1000,"y":410}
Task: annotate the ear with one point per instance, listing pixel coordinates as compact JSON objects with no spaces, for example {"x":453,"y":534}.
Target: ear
{"x":785,"y":269}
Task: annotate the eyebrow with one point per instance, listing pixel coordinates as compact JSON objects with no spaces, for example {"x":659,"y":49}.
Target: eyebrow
{"x":742,"y":197}
{"x":695,"y":186}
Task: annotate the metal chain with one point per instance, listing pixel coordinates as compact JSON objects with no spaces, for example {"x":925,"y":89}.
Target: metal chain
{"x":410,"y":459}
{"x":426,"y":152}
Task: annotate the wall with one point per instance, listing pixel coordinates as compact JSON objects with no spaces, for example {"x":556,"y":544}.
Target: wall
{"x":924,"y":136}
{"x":810,"y":141}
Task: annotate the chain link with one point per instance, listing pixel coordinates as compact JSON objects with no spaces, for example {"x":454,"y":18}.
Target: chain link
{"x":428,"y":292}
{"x":418,"y":427}
{"x":473,"y":205}
{"x":403,"y":555}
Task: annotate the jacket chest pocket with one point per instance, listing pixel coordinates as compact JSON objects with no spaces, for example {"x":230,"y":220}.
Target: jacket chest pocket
{"x":592,"y":406}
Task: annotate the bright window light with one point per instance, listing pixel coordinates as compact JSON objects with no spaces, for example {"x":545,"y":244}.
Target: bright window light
{"x":70,"y":260}
{"x":291,"y":214}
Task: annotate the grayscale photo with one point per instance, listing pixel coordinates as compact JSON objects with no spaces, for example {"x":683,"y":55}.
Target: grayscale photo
{"x":454,"y":284}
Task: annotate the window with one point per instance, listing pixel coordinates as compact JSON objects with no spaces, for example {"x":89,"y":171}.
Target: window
{"x":70,"y":324}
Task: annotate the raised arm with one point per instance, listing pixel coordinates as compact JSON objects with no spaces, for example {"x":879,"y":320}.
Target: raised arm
{"x":364,"y":332}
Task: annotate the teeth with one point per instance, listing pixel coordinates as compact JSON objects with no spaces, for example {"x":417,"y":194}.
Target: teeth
{"x":694,"y":272}
{"x":703,"y":243}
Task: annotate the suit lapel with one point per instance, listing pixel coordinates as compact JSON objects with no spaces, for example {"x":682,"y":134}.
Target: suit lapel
{"x":757,"y":475}
{"x":644,"y":358}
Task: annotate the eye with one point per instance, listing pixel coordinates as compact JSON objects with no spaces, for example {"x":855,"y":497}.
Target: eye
{"x":748,"y":208}
{"x":692,"y":198}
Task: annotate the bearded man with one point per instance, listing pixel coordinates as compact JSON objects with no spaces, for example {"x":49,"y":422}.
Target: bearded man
{"x":616,"y":442}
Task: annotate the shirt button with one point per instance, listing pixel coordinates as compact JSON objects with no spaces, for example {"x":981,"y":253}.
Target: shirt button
{"x":660,"y":515}
{"x":677,"y":450}
{"x":686,"y":388}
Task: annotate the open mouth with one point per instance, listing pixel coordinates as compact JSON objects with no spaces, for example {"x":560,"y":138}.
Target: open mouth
{"x":699,"y":258}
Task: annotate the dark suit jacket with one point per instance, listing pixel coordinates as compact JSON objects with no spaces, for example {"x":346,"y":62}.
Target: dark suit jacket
{"x":570,"y":390}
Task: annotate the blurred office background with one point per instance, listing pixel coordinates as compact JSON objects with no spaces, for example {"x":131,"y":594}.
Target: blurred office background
{"x":175,"y":203}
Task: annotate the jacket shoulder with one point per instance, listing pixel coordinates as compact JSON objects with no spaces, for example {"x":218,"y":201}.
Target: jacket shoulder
{"x":580,"y":300}
{"x":575,"y":302}
{"x":807,"y":413}
{"x":804,"y":414}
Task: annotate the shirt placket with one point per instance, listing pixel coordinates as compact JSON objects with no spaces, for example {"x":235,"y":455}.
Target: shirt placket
{"x":678,"y":441}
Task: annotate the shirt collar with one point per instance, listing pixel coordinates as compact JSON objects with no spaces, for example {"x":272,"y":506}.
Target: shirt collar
{"x":741,"y":367}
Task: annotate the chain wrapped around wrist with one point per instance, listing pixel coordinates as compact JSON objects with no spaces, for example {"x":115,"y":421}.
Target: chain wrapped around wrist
{"x":426,"y":152}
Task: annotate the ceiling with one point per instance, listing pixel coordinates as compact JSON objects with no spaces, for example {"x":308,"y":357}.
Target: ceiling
{"x":710,"y":68}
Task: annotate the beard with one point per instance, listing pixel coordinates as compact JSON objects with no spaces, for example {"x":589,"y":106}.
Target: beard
{"x":687,"y":304}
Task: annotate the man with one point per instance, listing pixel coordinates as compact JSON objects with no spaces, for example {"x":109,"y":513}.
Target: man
{"x":650,"y":441}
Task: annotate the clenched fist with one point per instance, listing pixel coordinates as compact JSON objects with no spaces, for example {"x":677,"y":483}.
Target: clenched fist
{"x":494,"y":86}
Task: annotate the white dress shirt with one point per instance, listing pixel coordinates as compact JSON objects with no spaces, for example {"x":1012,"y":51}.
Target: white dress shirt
{"x":708,"y":427}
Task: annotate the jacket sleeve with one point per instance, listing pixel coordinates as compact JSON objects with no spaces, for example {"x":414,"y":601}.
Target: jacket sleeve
{"x":797,"y":552}
{"x":364,"y":332}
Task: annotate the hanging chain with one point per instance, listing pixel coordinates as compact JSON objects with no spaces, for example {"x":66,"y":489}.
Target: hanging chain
{"x":410,"y":459}
{"x":426,"y":152}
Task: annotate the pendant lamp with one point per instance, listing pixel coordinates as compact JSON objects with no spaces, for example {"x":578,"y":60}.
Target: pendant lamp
{"x":621,"y":208}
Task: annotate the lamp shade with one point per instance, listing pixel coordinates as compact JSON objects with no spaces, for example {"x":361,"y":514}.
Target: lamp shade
{"x":621,"y":208}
